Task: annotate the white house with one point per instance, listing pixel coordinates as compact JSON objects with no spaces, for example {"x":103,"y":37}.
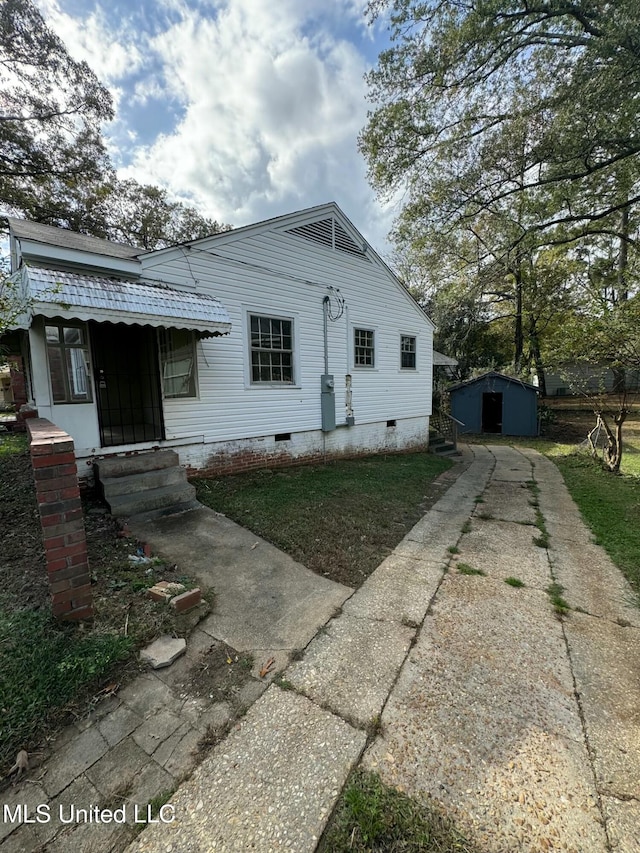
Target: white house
{"x":287,"y":339}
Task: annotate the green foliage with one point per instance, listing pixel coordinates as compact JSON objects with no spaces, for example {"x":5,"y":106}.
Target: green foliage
{"x":512,"y":129}
{"x":43,"y":665}
{"x":464,"y":85}
{"x":515,"y":582}
{"x":560,"y":606}
{"x":373,"y":816}
{"x":51,"y":111}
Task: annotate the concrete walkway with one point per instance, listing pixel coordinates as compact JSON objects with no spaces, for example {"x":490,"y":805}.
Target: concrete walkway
{"x":453,"y":685}
{"x":145,"y":739}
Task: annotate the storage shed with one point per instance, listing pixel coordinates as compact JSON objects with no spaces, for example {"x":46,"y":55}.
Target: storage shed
{"x":495,"y":403}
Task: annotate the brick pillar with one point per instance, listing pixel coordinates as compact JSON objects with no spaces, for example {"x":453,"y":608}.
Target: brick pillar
{"x":58,"y":496}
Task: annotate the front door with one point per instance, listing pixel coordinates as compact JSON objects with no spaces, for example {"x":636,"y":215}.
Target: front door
{"x":127,"y":383}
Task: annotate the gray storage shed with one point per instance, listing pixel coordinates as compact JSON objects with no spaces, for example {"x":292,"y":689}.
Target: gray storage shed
{"x":495,"y":403}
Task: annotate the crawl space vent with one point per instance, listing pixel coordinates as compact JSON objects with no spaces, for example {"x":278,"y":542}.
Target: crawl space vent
{"x":329,"y":233}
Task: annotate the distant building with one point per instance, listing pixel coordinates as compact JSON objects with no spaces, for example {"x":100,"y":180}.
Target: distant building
{"x":495,"y":403}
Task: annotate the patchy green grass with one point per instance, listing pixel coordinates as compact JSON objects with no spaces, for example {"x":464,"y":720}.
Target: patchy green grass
{"x":466,"y":569}
{"x":371,"y":816}
{"x":44,"y":665}
{"x":560,"y":605}
{"x":340,"y":519}
{"x":515,"y":582}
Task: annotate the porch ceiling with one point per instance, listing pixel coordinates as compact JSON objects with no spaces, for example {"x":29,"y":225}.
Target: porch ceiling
{"x":74,"y":296}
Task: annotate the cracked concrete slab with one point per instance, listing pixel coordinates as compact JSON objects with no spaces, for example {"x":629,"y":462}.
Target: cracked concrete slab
{"x":270,"y":785}
{"x":606,"y":666}
{"x":399,"y":590}
{"x":505,"y":549}
{"x":592,"y":582}
{"x":351,"y":666}
{"x":264,"y":599}
{"x":483,"y":719}
{"x":74,"y":758}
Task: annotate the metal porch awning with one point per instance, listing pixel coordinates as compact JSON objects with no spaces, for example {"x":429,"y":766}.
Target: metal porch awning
{"x":79,"y":296}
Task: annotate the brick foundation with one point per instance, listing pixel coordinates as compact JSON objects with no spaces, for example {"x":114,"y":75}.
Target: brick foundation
{"x":221,"y":464}
{"x":58,"y":497}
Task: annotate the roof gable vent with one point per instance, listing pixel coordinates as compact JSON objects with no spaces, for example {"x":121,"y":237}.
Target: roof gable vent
{"x":329,"y":232}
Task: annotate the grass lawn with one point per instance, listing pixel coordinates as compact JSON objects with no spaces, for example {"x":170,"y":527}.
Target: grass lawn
{"x":340,"y":519}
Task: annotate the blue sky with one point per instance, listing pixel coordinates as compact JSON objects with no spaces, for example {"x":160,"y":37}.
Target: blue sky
{"x":245,"y":108}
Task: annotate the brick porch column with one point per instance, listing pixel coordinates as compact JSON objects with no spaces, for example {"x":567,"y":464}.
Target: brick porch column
{"x":58,"y":496}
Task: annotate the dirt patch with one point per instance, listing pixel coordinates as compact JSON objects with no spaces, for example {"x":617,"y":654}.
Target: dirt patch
{"x":218,"y":673}
{"x":23,"y":575}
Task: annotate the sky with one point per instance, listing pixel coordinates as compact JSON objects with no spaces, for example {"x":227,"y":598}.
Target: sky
{"x":246,"y":109}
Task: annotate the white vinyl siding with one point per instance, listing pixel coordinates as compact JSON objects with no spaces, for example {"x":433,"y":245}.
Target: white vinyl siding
{"x":275,"y":274}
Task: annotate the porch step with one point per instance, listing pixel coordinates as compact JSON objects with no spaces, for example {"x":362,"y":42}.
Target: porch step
{"x":145,"y":480}
{"x":145,"y":483}
{"x":138,"y":463}
{"x":165,"y":500}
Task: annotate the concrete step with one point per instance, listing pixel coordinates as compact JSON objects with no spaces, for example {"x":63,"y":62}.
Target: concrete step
{"x":444,"y":449}
{"x":163,"y":498}
{"x":128,"y":485}
{"x":138,"y":463}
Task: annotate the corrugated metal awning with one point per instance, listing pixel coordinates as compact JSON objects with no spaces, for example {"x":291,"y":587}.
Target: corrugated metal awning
{"x":75,"y":296}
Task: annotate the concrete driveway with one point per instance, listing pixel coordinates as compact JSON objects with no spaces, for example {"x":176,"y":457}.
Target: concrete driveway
{"x":453,"y":685}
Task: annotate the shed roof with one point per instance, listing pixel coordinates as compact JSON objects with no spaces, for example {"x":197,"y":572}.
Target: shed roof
{"x":90,"y":297}
{"x":496,"y":375}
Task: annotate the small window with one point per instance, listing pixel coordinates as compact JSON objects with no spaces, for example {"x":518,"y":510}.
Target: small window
{"x":178,"y":363}
{"x":68,"y":353}
{"x":363,"y":353}
{"x":407,"y":352}
{"x":271,"y":346}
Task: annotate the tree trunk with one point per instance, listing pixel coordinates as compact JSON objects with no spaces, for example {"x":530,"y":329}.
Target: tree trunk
{"x":534,"y":352}
{"x":612,"y":454}
{"x":518,"y":338}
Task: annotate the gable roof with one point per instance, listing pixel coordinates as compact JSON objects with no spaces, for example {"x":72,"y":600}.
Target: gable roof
{"x":495,"y":375}
{"x":324,"y":224}
{"x":63,"y":238}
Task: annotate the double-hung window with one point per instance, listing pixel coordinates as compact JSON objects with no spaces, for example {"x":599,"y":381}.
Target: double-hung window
{"x":178,"y":363}
{"x":68,"y":354}
{"x":407,"y":352}
{"x":271,"y":350}
{"x":364,"y":348}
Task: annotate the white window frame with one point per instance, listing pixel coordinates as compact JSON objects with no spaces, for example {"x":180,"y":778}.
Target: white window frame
{"x":269,"y":314}
{"x":80,"y":355}
{"x":373,"y":332}
{"x":415,"y":351}
{"x":190,"y":371}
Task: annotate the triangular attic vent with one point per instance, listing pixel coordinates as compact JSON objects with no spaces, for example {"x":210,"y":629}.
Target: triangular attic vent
{"x":329,"y":233}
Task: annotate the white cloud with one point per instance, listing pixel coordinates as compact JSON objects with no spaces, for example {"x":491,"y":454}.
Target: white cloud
{"x":270,"y":98}
{"x":111,"y":54}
